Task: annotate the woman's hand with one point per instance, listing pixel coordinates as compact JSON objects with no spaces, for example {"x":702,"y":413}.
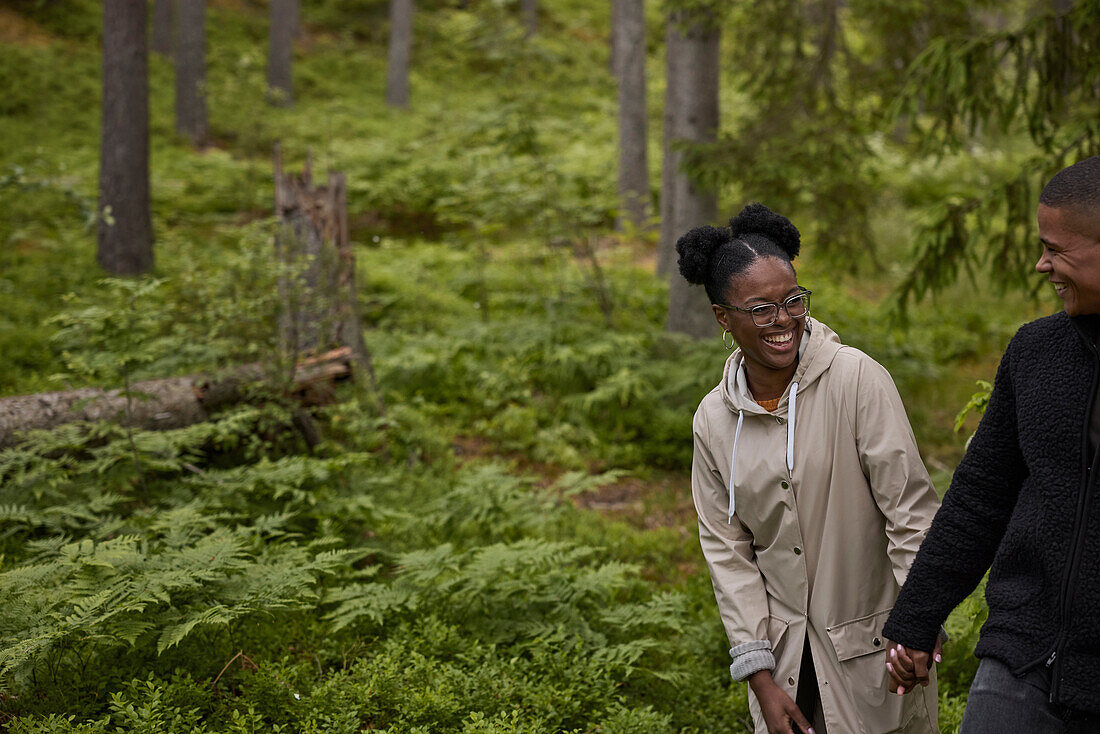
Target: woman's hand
{"x":780,"y":712}
{"x":908,"y":666}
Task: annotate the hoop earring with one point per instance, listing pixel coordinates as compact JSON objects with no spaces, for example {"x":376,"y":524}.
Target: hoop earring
{"x":729,"y":347}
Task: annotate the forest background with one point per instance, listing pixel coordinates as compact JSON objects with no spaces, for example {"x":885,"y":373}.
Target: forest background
{"x":499,"y":536}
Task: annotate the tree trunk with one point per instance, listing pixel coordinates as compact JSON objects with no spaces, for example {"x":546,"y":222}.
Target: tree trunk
{"x":165,"y":404}
{"x":1065,"y":34}
{"x":297,"y":31}
{"x":633,"y":171}
{"x":530,"y":17}
{"x":125,"y":232}
{"x":822,"y":75}
{"x":163,"y":12}
{"x":397,"y":73}
{"x":280,"y":52}
{"x":694,"y":119}
{"x":613,"y":40}
{"x":670,"y":162}
{"x":191,"y":71}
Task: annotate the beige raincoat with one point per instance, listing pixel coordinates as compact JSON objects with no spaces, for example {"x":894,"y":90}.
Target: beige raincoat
{"x":829,"y":503}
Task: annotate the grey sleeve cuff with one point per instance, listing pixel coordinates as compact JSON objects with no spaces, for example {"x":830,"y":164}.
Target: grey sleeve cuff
{"x":751,"y":657}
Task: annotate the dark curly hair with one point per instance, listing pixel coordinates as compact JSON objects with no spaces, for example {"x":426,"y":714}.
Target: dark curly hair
{"x":711,"y":256}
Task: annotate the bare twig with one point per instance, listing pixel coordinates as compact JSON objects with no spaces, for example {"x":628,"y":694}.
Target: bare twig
{"x":244,"y":659}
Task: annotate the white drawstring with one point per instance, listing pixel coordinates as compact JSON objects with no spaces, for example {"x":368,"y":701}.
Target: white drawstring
{"x":790,"y":429}
{"x":790,"y":444}
{"x":733,"y":460}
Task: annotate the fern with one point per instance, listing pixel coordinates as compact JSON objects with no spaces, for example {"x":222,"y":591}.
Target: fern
{"x":133,"y":589}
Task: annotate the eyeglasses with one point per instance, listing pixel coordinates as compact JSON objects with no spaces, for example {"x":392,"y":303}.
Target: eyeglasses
{"x":766,"y":314}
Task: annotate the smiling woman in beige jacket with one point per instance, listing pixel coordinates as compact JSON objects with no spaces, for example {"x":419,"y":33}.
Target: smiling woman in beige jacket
{"x":811,"y":494}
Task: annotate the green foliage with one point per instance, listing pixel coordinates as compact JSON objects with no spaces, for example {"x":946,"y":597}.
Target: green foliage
{"x":977,"y":403}
{"x":809,"y":138}
{"x":44,"y":215}
{"x":102,"y":572}
{"x":108,"y":342}
{"x":108,"y":581}
{"x":67,"y":18}
{"x":229,"y":531}
{"x":1037,"y":75}
{"x":978,"y":92}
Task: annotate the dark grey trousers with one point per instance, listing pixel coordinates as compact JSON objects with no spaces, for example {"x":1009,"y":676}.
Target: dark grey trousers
{"x":1003,"y":703}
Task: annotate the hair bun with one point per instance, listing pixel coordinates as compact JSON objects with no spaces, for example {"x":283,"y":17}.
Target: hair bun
{"x":696,"y":249}
{"x":759,"y":219}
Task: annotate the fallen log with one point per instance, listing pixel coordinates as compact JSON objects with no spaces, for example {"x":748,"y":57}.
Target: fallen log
{"x":168,"y":403}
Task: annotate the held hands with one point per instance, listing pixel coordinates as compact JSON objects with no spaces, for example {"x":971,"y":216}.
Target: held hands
{"x":780,"y":712}
{"x":909,"y":666}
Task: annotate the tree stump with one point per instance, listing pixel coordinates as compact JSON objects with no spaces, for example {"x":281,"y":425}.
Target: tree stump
{"x":317,"y":286}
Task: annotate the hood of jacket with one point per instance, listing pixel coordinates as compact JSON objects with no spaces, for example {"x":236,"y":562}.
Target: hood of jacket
{"x":816,"y":351}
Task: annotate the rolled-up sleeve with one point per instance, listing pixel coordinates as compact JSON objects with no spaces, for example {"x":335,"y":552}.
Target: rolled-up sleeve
{"x":728,"y":549}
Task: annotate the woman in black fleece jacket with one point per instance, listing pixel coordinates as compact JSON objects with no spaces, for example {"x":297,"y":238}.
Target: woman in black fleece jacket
{"x":1025,"y":498}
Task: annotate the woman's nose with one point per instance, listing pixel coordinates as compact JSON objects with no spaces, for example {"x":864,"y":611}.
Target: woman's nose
{"x":783,"y":316}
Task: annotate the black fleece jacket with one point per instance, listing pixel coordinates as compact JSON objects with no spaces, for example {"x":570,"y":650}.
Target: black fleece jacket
{"x":1025,"y":499}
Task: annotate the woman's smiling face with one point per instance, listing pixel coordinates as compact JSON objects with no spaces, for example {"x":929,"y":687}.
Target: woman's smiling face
{"x":775,"y":347}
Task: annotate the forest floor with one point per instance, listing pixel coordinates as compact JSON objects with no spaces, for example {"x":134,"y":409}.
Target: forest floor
{"x":661,"y":499}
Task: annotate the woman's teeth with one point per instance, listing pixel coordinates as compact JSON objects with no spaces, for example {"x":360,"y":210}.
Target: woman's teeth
{"x":780,"y":338}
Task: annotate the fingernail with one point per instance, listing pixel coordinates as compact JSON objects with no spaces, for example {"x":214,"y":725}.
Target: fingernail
{"x":898,"y":648}
{"x":890,"y":667}
{"x":901,"y":691}
{"x":810,"y":731}
{"x":939,"y":658}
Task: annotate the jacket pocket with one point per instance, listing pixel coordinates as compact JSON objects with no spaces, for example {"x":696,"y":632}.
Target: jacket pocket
{"x":861,"y":659}
{"x":777,"y":631}
{"x":861,"y":653}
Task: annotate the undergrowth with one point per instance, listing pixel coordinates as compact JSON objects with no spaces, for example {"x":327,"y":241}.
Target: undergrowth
{"x":227,"y":577}
{"x":360,"y":587}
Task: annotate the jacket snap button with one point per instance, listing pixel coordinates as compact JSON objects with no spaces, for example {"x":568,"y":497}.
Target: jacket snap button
{"x":790,"y":680}
{"x":876,"y":642}
{"x":784,"y":484}
{"x":798,"y":552}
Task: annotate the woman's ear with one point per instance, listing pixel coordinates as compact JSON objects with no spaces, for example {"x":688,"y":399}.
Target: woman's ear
{"x":722,"y":316}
